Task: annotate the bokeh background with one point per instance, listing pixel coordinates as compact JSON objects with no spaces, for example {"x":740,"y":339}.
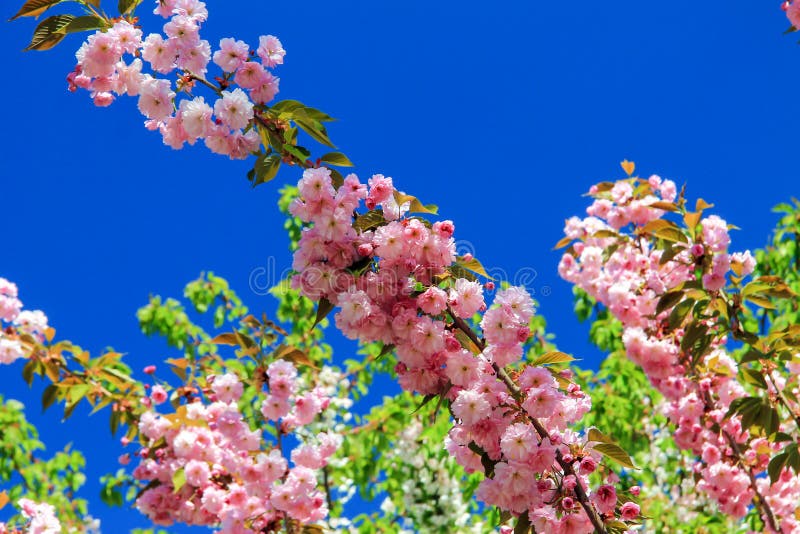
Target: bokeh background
{"x":502,"y":114}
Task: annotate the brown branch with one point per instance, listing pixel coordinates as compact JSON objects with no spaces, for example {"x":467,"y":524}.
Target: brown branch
{"x":782,"y":400}
{"x":207,"y":84}
{"x":326,"y":481}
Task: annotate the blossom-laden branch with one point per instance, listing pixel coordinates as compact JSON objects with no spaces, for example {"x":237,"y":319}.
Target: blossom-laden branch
{"x":666,"y":283}
{"x":118,"y":58}
{"x":397,"y":280}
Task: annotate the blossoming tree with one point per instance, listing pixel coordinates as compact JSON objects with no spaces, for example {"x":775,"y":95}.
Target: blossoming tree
{"x":252,"y":432}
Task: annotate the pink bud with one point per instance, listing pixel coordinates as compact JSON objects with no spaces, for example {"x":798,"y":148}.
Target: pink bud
{"x":629,"y":511}
{"x":523,"y":334}
{"x":588,"y":465}
{"x":567,"y":503}
{"x":150,"y":369}
{"x":697,"y":250}
{"x":452,"y":344}
{"x":365,"y":249}
{"x":635,"y":490}
{"x":445,"y":229}
{"x":489,"y":286}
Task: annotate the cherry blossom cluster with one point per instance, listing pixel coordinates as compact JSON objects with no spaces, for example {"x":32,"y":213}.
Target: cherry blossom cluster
{"x":388,"y":274}
{"x":206,"y":466}
{"x":115,"y":62}
{"x":613,"y":263}
{"x":792,"y":9}
{"x":41,"y":519}
{"x":16,"y":324}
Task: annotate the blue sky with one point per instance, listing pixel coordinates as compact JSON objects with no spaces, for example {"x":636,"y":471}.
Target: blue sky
{"x":502,"y":115}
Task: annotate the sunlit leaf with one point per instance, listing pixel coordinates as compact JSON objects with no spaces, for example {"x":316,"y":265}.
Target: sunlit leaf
{"x":34,"y":8}
{"x":336,"y":158}
{"x":324,"y":307}
{"x":85,"y":23}
{"x":596,"y":435}
{"x":553,"y":357}
{"x":414,"y":205}
{"x":473,"y":265}
{"x":616,"y":453}
{"x":50,"y":32}
{"x":666,"y":230}
{"x":127,"y":6}
{"x":178,"y":479}
{"x":628,"y":167}
{"x":227,"y":338}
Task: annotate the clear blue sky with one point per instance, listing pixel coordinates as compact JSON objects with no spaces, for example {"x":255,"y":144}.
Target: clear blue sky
{"x":501,"y":114}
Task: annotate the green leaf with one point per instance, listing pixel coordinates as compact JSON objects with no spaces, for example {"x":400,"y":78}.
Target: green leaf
{"x":523,"y":525}
{"x":604,"y":234}
{"x":316,"y":130}
{"x":323,"y":309}
{"x":793,"y":457}
{"x":49,"y":396}
{"x":553,"y":357}
{"x":336,"y":158}
{"x":754,"y":377}
{"x":50,"y":32}
{"x":287,"y":106}
{"x":596,"y":435}
{"x":779,"y":437}
{"x":414,"y":205}
{"x":762,"y":301}
{"x":473,"y":265}
{"x":563,"y":242}
{"x":679,"y":313}
{"x":298,"y":152}
{"x":754,"y":287}
{"x":386,"y":349}
{"x":34,"y":8}
{"x":776,"y":466}
{"x":371,"y":219}
{"x":670,"y":253}
{"x":226,"y":339}
{"x":668,"y":300}
{"x":429,"y":397}
{"x":336,"y":178}
{"x":28,"y":371}
{"x":178,"y":480}
{"x":666,"y":206}
{"x":666,"y":230}
{"x":85,"y":23}
{"x":266,"y":168}
{"x":127,"y":6}
{"x":316,"y":114}
{"x":616,"y":453}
